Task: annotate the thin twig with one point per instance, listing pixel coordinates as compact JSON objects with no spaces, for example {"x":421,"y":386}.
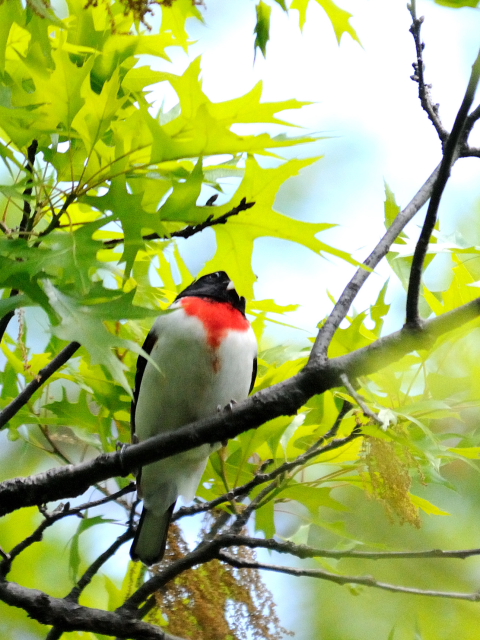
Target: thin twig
{"x":359,"y":400}
{"x":262,"y":478}
{"x":472,"y":118}
{"x":62,"y":511}
{"x":452,"y":150}
{"x":56,"y":632}
{"x":340,"y":310}
{"x":4,"y":322}
{"x":43,"y":375}
{"x":55,"y":221}
{"x":367,"y":581}
{"x":242,"y":518}
{"x":191,"y":230}
{"x":203,"y":553}
{"x":26,"y":223}
{"x":302,"y":551}
{"x":426,"y":101}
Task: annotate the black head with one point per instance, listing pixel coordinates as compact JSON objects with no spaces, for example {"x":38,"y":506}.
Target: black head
{"x":216,"y":286}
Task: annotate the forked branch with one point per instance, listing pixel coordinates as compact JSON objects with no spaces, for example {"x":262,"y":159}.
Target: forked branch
{"x":452,"y":151}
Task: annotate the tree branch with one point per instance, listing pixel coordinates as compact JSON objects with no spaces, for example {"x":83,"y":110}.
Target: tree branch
{"x":214,"y":549}
{"x":43,"y":375}
{"x":340,"y":310}
{"x":205,"y":552}
{"x":452,"y":150}
{"x":367,"y":581}
{"x":62,"y":511}
{"x":304,"y":552}
{"x":74,"y":617}
{"x":429,"y":107}
{"x":261,"y":477}
{"x":359,"y":400}
{"x":191,"y":230}
{"x":55,"y":221}
{"x":26,"y":223}
{"x":57,"y":631}
{"x":285,"y":398}
{"x":4,"y":322}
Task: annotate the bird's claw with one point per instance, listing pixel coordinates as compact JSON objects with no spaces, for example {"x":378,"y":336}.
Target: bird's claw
{"x":227,"y":407}
{"x":121,"y":447}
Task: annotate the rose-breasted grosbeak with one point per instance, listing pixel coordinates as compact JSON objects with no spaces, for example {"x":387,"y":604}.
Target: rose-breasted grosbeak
{"x":206,"y":356}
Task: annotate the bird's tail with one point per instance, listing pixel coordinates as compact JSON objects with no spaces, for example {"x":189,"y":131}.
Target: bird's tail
{"x":151,"y":536}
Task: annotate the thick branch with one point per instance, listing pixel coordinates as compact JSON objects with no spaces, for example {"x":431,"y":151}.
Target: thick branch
{"x":23,"y":397}
{"x":74,"y":617}
{"x":452,"y":150}
{"x":285,"y":398}
{"x":367,"y":581}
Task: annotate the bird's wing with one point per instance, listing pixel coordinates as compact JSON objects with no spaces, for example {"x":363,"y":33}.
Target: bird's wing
{"x":147,"y":346}
{"x":254,"y":375}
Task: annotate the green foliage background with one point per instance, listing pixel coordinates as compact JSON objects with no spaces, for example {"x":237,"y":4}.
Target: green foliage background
{"x":111,"y":169}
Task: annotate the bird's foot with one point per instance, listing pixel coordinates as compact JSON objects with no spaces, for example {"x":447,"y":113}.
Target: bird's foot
{"x":227,"y":407}
{"x":230,"y":405}
{"x":121,"y":447}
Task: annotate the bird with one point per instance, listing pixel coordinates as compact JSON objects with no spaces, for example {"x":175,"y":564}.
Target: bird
{"x":205,"y":355}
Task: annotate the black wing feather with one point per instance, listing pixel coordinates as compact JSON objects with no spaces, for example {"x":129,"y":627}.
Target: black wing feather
{"x":147,"y":346}
{"x":254,"y":375}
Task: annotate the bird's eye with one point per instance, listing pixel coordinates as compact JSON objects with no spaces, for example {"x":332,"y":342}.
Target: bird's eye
{"x":215,"y":276}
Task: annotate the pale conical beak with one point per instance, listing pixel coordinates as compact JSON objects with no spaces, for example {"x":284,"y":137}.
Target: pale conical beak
{"x":230,"y":286}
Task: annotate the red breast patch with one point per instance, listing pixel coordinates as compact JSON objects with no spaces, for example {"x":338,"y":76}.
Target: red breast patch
{"x":218,"y":317}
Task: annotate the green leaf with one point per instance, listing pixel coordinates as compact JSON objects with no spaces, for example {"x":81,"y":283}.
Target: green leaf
{"x":265,"y":519}
{"x":262,"y":27}
{"x":458,"y":4}
{"x":379,"y":310}
{"x":339,"y":18}
{"x":86,"y":424}
{"x":312,"y":497}
{"x":392,"y":209}
{"x":85,"y":524}
{"x":427,"y":506}
{"x":78,"y":323}
{"x":235,"y":240}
